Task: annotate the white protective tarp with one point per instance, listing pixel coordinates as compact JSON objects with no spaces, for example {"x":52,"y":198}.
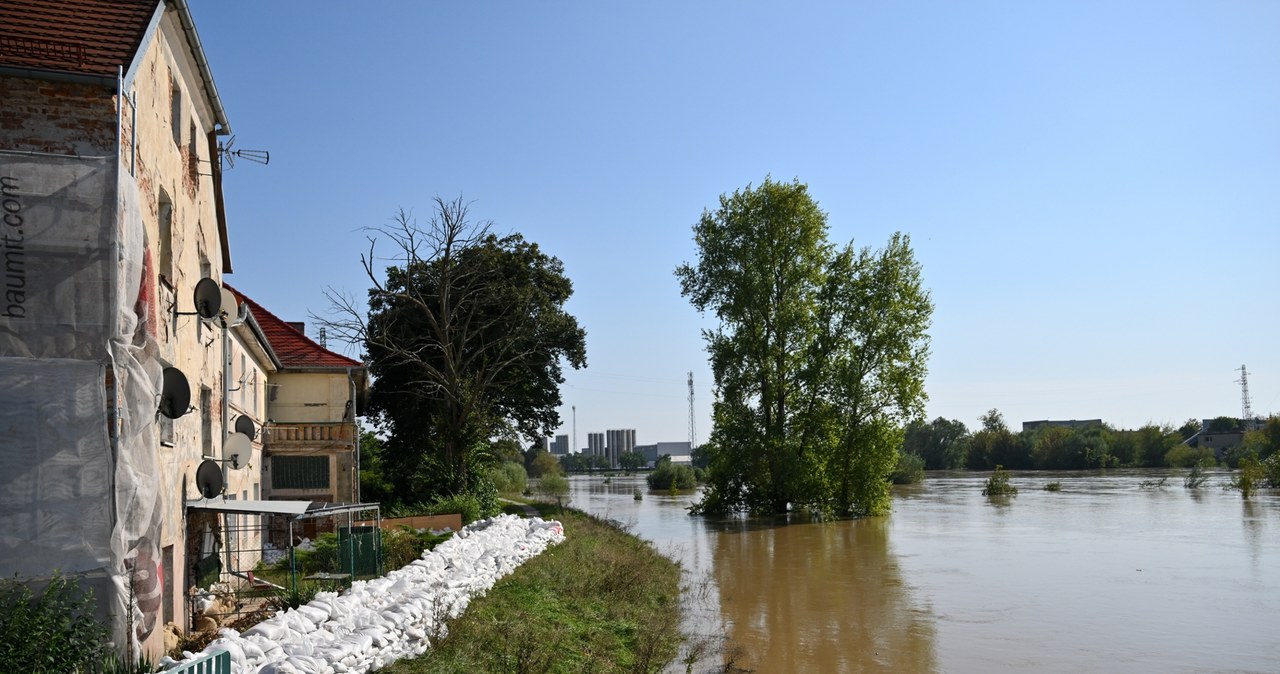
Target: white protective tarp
{"x":57,"y":236}
{"x":55,"y":478}
{"x":74,"y":303}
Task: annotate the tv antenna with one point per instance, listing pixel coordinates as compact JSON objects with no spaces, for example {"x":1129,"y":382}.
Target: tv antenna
{"x":229,"y":156}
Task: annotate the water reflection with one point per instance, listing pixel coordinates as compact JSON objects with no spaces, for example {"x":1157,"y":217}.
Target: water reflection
{"x":819,"y":598}
{"x":1102,"y":576}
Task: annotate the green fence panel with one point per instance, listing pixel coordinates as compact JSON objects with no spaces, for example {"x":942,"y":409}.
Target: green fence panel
{"x":358,"y":546}
{"x":213,"y":663}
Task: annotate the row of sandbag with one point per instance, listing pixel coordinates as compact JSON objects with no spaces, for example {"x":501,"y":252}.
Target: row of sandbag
{"x":377,"y":622}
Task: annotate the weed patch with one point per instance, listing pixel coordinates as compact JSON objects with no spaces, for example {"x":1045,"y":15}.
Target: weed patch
{"x":602,"y":601}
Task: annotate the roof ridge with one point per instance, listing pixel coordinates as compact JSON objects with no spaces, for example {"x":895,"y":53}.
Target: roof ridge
{"x":273,"y":324}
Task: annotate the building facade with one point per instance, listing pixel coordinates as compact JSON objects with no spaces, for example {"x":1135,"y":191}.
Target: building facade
{"x":311,"y":433}
{"x":109,"y":127}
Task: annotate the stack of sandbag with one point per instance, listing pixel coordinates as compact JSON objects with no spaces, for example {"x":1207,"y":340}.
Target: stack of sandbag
{"x":377,"y":622}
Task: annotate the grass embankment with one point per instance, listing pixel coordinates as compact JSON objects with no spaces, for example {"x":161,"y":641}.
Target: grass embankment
{"x":601,"y":601}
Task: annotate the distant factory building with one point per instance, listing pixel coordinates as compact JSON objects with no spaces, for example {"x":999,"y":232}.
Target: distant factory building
{"x":1067,"y":423}
{"x":561,"y":446}
{"x":619,"y":442}
{"x":595,"y":444}
{"x":680,"y":452}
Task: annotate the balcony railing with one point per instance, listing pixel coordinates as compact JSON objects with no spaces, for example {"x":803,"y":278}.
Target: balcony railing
{"x":333,"y":434}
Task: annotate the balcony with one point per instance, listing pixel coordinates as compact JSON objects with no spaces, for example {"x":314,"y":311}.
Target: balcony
{"x":332,"y":435}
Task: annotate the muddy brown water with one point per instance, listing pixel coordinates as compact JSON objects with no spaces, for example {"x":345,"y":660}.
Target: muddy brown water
{"x":1104,"y":576}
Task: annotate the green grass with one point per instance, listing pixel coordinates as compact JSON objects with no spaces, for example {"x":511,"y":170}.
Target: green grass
{"x":601,"y":601}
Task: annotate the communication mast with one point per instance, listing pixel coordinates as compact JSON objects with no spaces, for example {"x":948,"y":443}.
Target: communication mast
{"x":693,"y":427}
{"x":1246,"y":409}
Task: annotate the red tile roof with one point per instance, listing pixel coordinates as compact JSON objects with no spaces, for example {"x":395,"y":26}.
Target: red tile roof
{"x":294,"y":349}
{"x":87,"y":37}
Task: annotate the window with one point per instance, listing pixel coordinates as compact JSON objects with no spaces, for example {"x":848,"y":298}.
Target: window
{"x":166,"y":431}
{"x":166,"y":239}
{"x":299,"y":472}
{"x":175,"y":110}
{"x":206,"y":421}
{"x":166,"y":609}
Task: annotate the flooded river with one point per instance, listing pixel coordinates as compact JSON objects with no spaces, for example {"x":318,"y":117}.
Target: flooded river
{"x":1107,"y":575}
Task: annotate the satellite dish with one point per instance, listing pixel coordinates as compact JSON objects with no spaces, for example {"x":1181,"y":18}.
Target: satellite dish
{"x":236,"y":447}
{"x":208,"y":297}
{"x":229,"y":308}
{"x":209,"y":478}
{"x":245,"y":425}
{"x":175,"y":393}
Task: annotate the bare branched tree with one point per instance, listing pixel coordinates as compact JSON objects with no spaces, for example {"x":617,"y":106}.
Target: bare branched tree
{"x":464,"y":335}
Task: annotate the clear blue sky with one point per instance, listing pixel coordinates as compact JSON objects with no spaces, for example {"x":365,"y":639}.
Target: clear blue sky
{"x":1092,"y":188}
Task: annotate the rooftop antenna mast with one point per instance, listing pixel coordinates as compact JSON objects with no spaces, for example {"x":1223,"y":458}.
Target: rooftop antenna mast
{"x":1246,"y":408}
{"x":693,"y":427}
{"x":229,"y":156}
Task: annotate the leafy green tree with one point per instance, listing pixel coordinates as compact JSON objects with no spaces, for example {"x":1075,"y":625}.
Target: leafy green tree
{"x":1264,"y":441}
{"x":509,"y":478}
{"x":1051,"y":449}
{"x":941,"y":443}
{"x":632,"y":460}
{"x":543,"y":463}
{"x":910,"y":469}
{"x":572,"y":463}
{"x":1223,"y":425}
{"x":1189,"y":428}
{"x":699,"y":457}
{"x":465,"y":337}
{"x":554,"y":486}
{"x":1151,"y":444}
{"x":375,"y":483}
{"x":818,"y":359}
{"x":995,"y":445}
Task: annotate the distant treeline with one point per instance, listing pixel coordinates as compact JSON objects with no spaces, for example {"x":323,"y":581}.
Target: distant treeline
{"x":948,"y":444}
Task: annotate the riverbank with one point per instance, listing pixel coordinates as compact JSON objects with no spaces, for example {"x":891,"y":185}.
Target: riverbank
{"x":601,"y":601}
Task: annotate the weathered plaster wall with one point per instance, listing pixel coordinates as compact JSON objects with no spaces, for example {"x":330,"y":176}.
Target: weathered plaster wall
{"x":309,"y":397}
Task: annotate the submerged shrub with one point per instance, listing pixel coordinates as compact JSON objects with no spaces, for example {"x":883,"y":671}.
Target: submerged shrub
{"x":1251,"y":476}
{"x":1196,"y":476}
{"x":672,"y":476}
{"x":998,"y":484}
{"x":1053,"y":486}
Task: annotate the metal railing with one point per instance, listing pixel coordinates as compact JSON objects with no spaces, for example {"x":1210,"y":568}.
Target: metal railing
{"x":213,"y":663}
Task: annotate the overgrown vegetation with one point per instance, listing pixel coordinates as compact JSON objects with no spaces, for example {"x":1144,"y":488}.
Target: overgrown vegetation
{"x":601,"y":601}
{"x":1053,"y":486}
{"x":998,"y":484}
{"x":56,"y":632}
